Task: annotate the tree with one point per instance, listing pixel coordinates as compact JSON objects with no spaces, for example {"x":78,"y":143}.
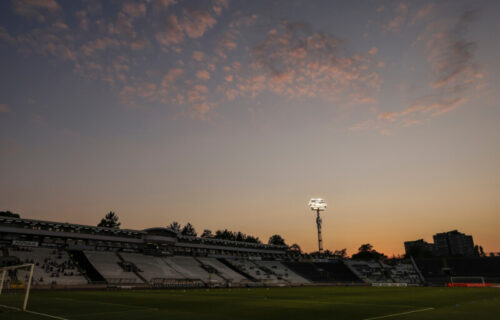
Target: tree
{"x":240,"y":236}
{"x":235,"y":236}
{"x":366,"y":252}
{"x":365,"y":248}
{"x":189,"y":230}
{"x":341,"y":254}
{"x":296,"y":248}
{"x":481,"y":251}
{"x":252,"y":239}
{"x":277,"y":240}
{"x":110,"y":220}
{"x":207,"y":234}
{"x":9,"y":214}
{"x":175,"y":226}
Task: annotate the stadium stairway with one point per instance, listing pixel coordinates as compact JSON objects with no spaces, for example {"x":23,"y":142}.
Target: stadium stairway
{"x":244,"y":274}
{"x":85,"y":267}
{"x":306,"y":270}
{"x":357,"y":273}
{"x":270,"y":271}
{"x":5,"y":251}
{"x":211,"y":269}
{"x":336,"y":271}
{"x":134,"y":270}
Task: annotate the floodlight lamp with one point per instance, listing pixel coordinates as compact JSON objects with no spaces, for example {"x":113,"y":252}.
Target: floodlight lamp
{"x":317,"y":204}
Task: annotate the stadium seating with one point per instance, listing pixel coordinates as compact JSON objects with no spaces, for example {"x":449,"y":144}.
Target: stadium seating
{"x":282,"y":271}
{"x":191,"y":269}
{"x":52,"y":266}
{"x":438,"y":270}
{"x":152,"y":267}
{"x":307,"y":270}
{"x":371,"y":271}
{"x":108,"y":265}
{"x":338,"y":272}
{"x":223,"y":270}
{"x":403,"y":273}
{"x":252,"y":269}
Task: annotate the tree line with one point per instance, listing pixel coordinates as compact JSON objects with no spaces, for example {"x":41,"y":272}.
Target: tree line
{"x":365,"y":251}
{"x":110,"y":220}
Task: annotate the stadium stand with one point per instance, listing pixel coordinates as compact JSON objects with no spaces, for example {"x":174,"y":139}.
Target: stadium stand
{"x":437,"y":271}
{"x":76,"y":255}
{"x":307,"y":270}
{"x":282,"y":272}
{"x":191,"y":269}
{"x":108,"y":265}
{"x":337,"y":271}
{"x":370,"y":271}
{"x":223,"y":271}
{"x":256,"y":272}
{"x":152,"y":267}
{"x":52,"y":266}
{"x":334,"y":271}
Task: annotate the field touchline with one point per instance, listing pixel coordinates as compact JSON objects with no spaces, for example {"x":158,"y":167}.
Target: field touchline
{"x":99,"y":302}
{"x":33,"y":312}
{"x":399,"y":314}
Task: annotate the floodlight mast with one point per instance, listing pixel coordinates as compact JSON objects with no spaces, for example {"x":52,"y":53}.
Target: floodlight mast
{"x":318,"y":204}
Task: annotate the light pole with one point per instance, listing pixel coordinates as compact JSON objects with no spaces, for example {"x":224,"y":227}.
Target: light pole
{"x":318,"y":204}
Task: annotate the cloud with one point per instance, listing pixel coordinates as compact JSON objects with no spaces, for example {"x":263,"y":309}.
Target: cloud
{"x":198,"y":55}
{"x":35,"y":9}
{"x":401,"y":13}
{"x":134,"y":9}
{"x":388,"y":116}
{"x":296,"y":62}
{"x":173,"y":33}
{"x":197,"y":22}
{"x":4,"y":108}
{"x":219,"y":5}
{"x":423,"y":13}
{"x":454,"y":73}
{"x":451,"y":55}
{"x":5,"y":36}
{"x":203,"y":75}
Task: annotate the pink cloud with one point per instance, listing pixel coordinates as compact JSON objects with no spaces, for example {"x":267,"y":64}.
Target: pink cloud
{"x":5,"y":36}
{"x":197,"y":22}
{"x":219,"y":5}
{"x":203,"y":75}
{"x":35,"y":8}
{"x":198,"y":55}
{"x":388,"y":116}
{"x":201,"y":110}
{"x":423,"y":13}
{"x":134,"y":9}
{"x":138,"y":44}
{"x":401,"y":13}
{"x":4,"y":108}
{"x":373,"y":51}
{"x":171,"y":76}
{"x":295,"y":62}
{"x":172,"y":34}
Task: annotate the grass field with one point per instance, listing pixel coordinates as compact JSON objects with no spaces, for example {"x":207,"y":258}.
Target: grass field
{"x":258,"y":304}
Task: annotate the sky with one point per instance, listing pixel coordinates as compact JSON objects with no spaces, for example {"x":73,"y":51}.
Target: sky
{"x":233,"y":114}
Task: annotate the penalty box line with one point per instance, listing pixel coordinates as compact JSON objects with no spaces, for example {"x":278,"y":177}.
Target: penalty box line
{"x":33,"y":312}
{"x":399,"y":314}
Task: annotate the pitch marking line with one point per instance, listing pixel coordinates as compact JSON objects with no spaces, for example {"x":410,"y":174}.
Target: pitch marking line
{"x":33,"y":312}
{"x":399,"y":314}
{"x":105,"y":313}
{"x":105,"y":303}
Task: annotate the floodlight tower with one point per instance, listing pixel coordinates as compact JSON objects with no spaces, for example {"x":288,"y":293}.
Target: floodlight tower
{"x":318,"y":204}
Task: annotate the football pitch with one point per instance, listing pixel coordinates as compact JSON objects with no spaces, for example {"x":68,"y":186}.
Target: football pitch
{"x":259,"y":303}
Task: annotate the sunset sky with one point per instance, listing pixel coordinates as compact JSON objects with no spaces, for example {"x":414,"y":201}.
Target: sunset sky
{"x":233,"y":114}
